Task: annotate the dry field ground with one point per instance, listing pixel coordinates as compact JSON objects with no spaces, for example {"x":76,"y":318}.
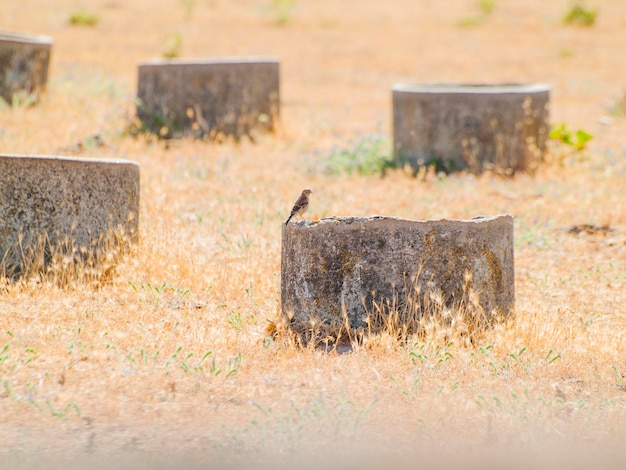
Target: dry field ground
{"x":168,"y":362}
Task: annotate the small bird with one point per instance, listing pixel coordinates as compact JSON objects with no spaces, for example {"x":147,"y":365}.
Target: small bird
{"x":301,"y":205}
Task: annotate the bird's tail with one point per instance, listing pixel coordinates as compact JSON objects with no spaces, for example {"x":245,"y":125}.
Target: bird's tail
{"x":287,"y":221}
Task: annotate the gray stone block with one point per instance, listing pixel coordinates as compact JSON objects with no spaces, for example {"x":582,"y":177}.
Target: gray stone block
{"x":24,"y":61}
{"x":344,"y":267}
{"x":209,"y":98}
{"x":67,"y":202}
{"x":503,"y":128}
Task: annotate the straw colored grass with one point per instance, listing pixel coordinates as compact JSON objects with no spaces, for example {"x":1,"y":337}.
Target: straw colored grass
{"x":170,"y":359}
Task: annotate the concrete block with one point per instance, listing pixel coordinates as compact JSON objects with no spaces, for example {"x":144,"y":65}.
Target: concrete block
{"x":209,"y":98}
{"x":24,"y":61}
{"x":343,"y":267}
{"x":67,"y":202}
{"x":503,"y":128}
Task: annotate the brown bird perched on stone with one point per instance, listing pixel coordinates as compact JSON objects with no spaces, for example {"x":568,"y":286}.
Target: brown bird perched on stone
{"x":301,"y":205}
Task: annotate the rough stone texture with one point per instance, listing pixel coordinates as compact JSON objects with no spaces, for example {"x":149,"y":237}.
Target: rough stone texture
{"x":80,"y":200}
{"x":347,"y":263}
{"x":479,"y":127}
{"x":24,"y":61}
{"x":231,"y":97}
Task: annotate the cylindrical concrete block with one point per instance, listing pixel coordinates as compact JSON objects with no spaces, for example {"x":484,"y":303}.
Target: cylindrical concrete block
{"x":358,"y":268}
{"x":68,"y":202}
{"x":209,"y":98}
{"x":24,"y":61}
{"x":503,"y":128}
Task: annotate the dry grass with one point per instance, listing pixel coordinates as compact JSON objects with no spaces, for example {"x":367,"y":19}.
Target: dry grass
{"x":170,"y":359}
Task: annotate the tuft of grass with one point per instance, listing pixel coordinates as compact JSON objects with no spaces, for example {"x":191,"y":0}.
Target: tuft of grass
{"x":283,"y":10}
{"x":160,"y":293}
{"x":368,"y":155}
{"x":484,"y":7}
{"x":569,"y":145}
{"x":576,"y":140}
{"x":84,"y":18}
{"x":580,"y":15}
{"x":20,"y":99}
{"x":62,"y":263}
{"x":153,"y":125}
{"x":24,"y":99}
{"x":188,"y":6}
{"x":424,"y":316}
{"x":171,"y":45}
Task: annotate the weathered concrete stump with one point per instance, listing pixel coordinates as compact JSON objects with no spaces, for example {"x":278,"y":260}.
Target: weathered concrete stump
{"x":362,"y":268}
{"x":209,"y":98}
{"x":68,"y":204}
{"x":503,"y":128}
{"x":24,"y":61}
